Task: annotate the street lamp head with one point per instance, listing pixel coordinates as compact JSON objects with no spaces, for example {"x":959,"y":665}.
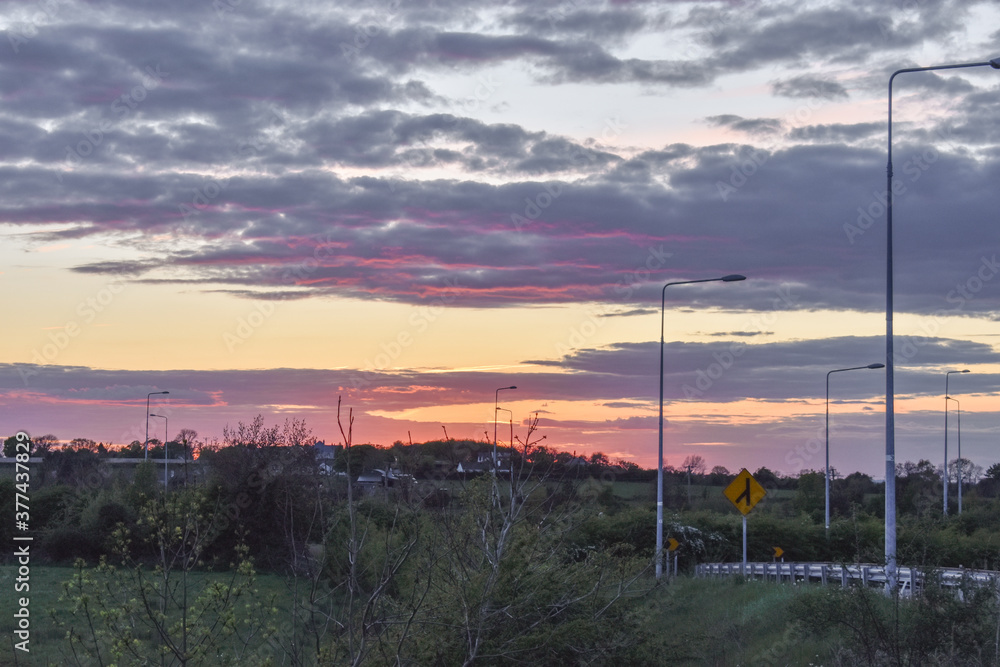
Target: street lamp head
{"x":965,"y":371}
{"x":874,"y":366}
{"x":995,"y":63}
{"x":513,"y":387}
{"x":732,"y":278}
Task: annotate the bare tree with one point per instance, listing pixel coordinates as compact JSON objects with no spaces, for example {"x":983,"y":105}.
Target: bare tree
{"x":695,"y":463}
{"x":251,"y":435}
{"x":501,"y":572}
{"x":295,"y":433}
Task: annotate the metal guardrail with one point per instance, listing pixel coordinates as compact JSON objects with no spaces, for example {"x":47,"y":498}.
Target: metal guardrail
{"x":868,"y":574}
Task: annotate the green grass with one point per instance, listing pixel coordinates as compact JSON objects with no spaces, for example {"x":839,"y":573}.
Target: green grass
{"x":47,"y":641}
{"x":45,"y":588}
{"x":729,"y":622}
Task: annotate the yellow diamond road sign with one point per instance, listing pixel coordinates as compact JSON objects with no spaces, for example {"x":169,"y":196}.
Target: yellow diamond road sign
{"x":744,"y":492}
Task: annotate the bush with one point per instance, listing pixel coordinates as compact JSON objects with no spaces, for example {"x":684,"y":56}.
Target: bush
{"x":68,"y":543}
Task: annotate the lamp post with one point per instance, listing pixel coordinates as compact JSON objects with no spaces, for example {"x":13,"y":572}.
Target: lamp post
{"x":839,"y":370}
{"x":510,"y":414}
{"x":146,"y":445}
{"x":890,"y":425}
{"x":496,"y":408}
{"x":659,"y":464}
{"x":946,"y":398}
{"x":166,"y":432}
{"x":959,"y":467}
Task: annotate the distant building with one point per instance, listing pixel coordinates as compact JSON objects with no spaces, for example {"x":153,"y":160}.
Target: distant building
{"x":325,"y":456}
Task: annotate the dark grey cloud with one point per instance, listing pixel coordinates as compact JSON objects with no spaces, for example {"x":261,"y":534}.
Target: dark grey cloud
{"x":838,"y":133}
{"x":808,"y":216}
{"x":751,"y":126}
{"x":257,"y":152}
{"x":570,"y":19}
{"x":809,"y":86}
{"x":777,"y":371}
{"x":394,"y":139}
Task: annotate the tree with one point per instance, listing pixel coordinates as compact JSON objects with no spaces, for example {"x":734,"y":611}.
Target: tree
{"x":44,"y":444}
{"x":503,"y":573}
{"x":83,"y":444}
{"x":969,"y":471}
{"x":918,"y":487}
{"x":187,"y":437}
{"x":251,"y":435}
{"x":719,"y":475}
{"x":10,"y":446}
{"x":810,"y":497}
{"x":295,"y":433}
{"x":766,"y":477}
{"x":600,"y":460}
{"x":695,"y":463}
{"x":125,"y":612}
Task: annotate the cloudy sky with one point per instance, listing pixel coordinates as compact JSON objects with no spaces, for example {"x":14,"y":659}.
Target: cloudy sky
{"x":262,"y":205}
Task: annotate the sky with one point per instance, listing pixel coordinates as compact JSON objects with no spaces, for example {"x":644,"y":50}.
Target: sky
{"x":265,"y":206}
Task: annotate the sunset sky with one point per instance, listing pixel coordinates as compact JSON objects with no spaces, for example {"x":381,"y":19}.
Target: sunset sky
{"x":260,"y":206}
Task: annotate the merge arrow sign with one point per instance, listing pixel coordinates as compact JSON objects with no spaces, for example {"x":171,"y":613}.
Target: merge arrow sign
{"x":744,"y":492}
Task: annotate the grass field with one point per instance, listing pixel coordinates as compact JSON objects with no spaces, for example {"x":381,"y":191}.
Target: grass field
{"x":731,"y":622}
{"x":48,"y":645}
{"x":691,"y":621}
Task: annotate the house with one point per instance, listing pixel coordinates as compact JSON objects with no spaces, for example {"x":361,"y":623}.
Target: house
{"x":484,"y":463}
{"x":325,"y":456}
{"x":383,"y":479}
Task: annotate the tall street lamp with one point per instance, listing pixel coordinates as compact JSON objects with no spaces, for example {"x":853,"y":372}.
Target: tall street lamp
{"x":510,"y":415}
{"x":659,"y":465}
{"x":166,"y":431}
{"x":890,"y":425}
{"x":959,"y":468}
{"x":146,"y":445}
{"x":946,"y":397}
{"x":496,"y":408}
{"x":839,"y":370}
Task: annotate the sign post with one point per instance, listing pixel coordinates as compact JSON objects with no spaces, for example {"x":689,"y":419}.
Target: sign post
{"x":672,"y":545}
{"x":744,"y":493}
